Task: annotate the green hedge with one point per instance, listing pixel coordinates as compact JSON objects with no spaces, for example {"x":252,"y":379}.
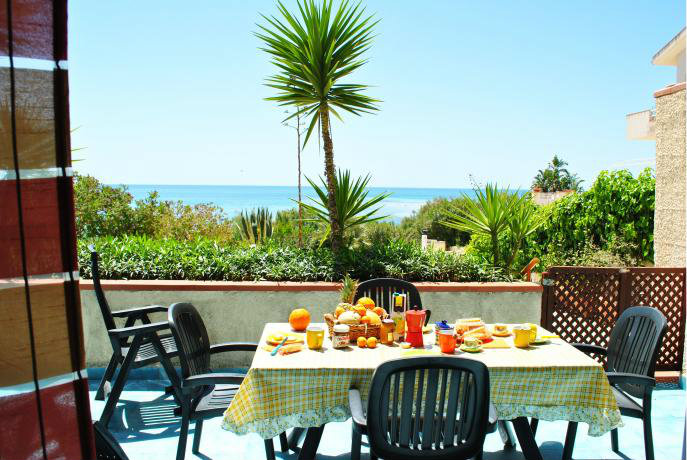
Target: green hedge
{"x":615,"y":214}
{"x":136,"y":257}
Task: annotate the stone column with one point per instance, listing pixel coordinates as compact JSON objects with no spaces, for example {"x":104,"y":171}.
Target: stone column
{"x":671,"y":178}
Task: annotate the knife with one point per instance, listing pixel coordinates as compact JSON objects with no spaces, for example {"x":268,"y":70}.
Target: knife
{"x":276,"y":349}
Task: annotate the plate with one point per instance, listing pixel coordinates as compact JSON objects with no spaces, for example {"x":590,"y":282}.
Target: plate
{"x":505,"y":334}
{"x":470,"y":350}
{"x":539,"y":341}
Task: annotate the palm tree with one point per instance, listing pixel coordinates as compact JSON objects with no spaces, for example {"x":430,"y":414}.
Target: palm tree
{"x":313,"y":52}
{"x":352,"y":204}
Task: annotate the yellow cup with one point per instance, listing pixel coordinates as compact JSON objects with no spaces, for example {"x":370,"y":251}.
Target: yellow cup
{"x":522,"y":336}
{"x":533,"y":331}
{"x":314,"y":336}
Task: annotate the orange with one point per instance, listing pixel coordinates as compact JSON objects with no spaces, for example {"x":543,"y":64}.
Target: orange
{"x":299,"y":319}
{"x":372,"y":342}
{"x":338,"y":311}
{"x":380,"y":311}
{"x":366,"y":302}
{"x":361,"y":310}
{"x":365,"y":320}
{"x":362,"y":342}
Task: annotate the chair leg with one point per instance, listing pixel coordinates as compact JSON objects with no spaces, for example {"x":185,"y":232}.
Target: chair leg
{"x":614,"y":440}
{"x":118,"y":386}
{"x":569,"y":441}
{"x":373,"y":456}
{"x":269,"y":449}
{"x":183,"y":433}
{"x":648,"y":438}
{"x":284,"y":441}
{"x":356,"y":441}
{"x":198,"y":432}
{"x":107,"y":376}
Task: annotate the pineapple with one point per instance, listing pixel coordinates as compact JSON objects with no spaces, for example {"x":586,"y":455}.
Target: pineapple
{"x":348,"y":289}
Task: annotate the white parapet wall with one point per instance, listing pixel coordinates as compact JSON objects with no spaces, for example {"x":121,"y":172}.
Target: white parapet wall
{"x":237,"y":311}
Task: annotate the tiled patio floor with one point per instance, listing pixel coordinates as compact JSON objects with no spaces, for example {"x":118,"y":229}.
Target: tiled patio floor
{"x":159,"y":441}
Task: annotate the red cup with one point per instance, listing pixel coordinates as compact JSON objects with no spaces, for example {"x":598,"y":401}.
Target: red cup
{"x":447,"y":341}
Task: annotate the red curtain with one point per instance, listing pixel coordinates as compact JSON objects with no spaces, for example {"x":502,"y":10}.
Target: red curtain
{"x":44,"y":401}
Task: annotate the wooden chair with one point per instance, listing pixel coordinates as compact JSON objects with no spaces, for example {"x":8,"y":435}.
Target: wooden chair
{"x":381,"y":290}
{"x":631,"y":356}
{"x":204,"y":394}
{"x":447,"y":419}
{"x":133,"y":346}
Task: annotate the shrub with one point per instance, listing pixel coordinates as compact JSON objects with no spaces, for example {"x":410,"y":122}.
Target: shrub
{"x":104,"y":210}
{"x":429,"y":217}
{"x":616,"y":214}
{"x":140,"y":257}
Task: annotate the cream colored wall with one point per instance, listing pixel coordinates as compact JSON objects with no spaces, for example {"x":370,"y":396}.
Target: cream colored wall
{"x":671,"y":176}
{"x":240,"y":315}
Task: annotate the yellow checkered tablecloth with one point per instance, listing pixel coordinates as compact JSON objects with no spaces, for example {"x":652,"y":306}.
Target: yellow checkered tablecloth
{"x":310,"y":388}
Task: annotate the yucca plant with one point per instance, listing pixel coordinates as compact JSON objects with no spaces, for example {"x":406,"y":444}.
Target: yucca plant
{"x":488,"y":213}
{"x":255,"y":227}
{"x":524,"y":219}
{"x":352,"y":204}
{"x":314,"y":50}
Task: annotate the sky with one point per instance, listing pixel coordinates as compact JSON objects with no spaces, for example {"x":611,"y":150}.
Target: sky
{"x":171,"y":92}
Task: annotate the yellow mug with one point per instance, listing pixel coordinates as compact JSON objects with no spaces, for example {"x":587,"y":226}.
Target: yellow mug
{"x":522,"y":336}
{"x":314,"y":336}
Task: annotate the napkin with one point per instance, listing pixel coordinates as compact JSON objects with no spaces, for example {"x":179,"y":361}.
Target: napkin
{"x":496,"y":343}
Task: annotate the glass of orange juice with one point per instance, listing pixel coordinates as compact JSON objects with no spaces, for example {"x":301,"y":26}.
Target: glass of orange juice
{"x":314,"y":336}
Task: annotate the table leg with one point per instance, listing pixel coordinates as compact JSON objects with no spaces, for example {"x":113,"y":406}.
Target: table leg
{"x":507,"y":436}
{"x":312,"y":441}
{"x":526,"y":438}
{"x":569,"y":441}
{"x":295,"y":437}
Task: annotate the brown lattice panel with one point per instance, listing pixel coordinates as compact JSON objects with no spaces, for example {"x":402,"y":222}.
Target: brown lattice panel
{"x":584,"y":304}
{"x":663,"y":288}
{"x":581,"y":304}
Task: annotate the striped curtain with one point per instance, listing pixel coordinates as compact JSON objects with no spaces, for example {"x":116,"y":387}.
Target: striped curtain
{"x":44,"y":408}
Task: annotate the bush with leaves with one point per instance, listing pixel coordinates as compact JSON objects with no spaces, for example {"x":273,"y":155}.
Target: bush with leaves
{"x":104,"y":210}
{"x":138,"y":257}
{"x":615,"y":214}
{"x":429,"y":218}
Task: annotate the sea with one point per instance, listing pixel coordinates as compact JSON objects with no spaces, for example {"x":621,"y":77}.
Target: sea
{"x":235,"y":198}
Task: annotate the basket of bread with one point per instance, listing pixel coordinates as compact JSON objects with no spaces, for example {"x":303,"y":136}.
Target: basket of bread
{"x":364,"y":318}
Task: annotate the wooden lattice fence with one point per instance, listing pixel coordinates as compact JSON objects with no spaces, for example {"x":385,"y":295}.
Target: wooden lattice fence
{"x":581,"y":304}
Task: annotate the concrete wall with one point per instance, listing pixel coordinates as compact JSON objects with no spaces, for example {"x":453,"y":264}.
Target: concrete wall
{"x":238,"y":311}
{"x":671,"y":178}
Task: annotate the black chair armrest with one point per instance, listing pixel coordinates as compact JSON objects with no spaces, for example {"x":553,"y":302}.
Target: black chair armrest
{"x":590,"y":348}
{"x":233,"y":346}
{"x":140,"y":329}
{"x":139,"y":311}
{"x":620,"y":378}
{"x":355,"y":404}
{"x":212,"y":379}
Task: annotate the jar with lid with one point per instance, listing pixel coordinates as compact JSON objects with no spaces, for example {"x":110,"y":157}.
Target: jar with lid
{"x":386,"y":332}
{"x":341,"y":335}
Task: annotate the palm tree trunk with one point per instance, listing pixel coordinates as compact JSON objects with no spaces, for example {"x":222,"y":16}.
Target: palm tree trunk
{"x":336,"y":234}
{"x":300,"y":206}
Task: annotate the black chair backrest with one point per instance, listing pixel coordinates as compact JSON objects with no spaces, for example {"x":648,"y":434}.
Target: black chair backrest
{"x":428,"y":407}
{"x":381,"y":290}
{"x":635,"y":341}
{"x":191,"y":338}
{"x":99,"y":294}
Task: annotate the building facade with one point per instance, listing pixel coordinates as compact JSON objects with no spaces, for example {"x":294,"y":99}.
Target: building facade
{"x":666,"y":126}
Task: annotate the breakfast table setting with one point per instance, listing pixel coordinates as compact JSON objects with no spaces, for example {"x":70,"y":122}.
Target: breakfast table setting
{"x":301,"y":379}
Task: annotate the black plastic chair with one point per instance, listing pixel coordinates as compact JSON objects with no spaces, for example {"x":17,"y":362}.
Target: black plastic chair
{"x":381,"y":290}
{"x":445,"y":418}
{"x":133,"y":346}
{"x":204,"y":394}
{"x":631,"y":356}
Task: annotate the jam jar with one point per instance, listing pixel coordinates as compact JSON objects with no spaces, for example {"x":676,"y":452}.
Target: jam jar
{"x":341,"y":335}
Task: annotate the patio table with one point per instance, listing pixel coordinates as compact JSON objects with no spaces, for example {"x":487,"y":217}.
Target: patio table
{"x":310,"y":388}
